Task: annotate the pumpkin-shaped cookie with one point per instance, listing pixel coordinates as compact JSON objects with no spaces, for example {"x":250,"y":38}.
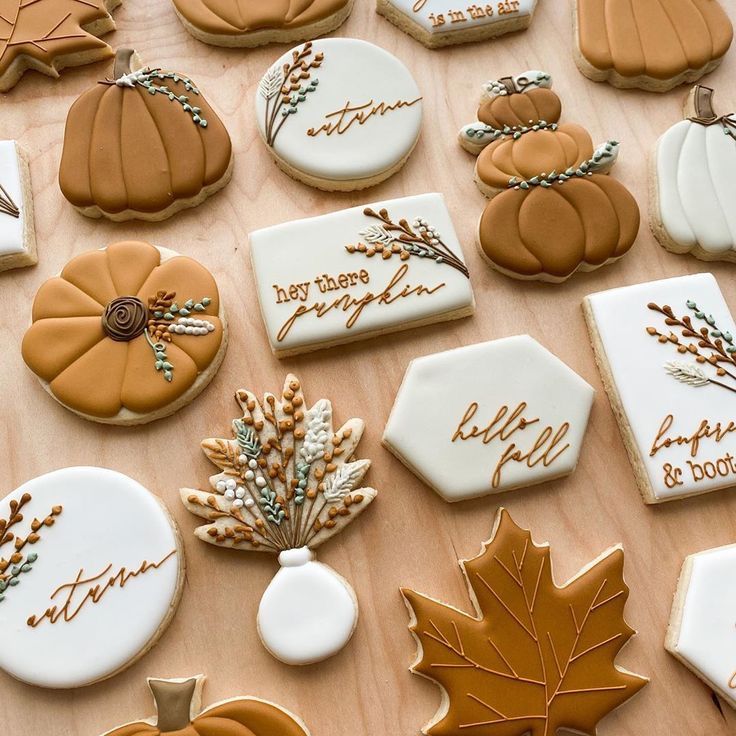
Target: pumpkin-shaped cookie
{"x":126,"y":334}
{"x":694,"y":182}
{"x":179,"y":713}
{"x":143,"y":145}
{"x":650,"y":44}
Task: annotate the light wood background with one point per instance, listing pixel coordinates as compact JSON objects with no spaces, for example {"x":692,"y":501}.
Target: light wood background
{"x":410,"y":536}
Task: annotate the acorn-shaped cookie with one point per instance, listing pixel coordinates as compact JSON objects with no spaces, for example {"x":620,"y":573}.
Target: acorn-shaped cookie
{"x":142,"y":145}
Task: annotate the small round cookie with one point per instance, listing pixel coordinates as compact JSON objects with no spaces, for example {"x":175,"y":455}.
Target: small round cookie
{"x":127,"y":334}
{"x":91,"y":572}
{"x":250,"y":23}
{"x":142,"y":145}
{"x":339,"y":114}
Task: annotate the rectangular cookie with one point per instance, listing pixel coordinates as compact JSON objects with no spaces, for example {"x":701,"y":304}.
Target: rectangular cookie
{"x":358,"y":273}
{"x":17,"y":233}
{"x":670,"y":373}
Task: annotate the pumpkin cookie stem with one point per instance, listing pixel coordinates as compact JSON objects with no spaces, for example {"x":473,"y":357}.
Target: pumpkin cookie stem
{"x":174,"y":702}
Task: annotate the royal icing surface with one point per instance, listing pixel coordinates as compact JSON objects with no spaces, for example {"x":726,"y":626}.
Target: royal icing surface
{"x":339,"y":109}
{"x":674,"y":374}
{"x":353,"y":273}
{"x":97,"y":578}
{"x":467,"y":433}
{"x":12,"y":206}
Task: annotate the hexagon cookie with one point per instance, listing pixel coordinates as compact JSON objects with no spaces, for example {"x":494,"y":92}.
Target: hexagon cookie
{"x":489,"y":418}
{"x":702,"y":629}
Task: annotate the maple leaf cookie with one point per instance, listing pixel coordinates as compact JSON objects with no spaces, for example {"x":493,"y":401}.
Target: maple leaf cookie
{"x":651,"y":44}
{"x":249,"y":23}
{"x":553,"y":209}
{"x":17,"y":229}
{"x":142,"y":145}
{"x":533,"y":657}
{"x":339,"y":114}
{"x":693,"y":182}
{"x":50,"y":35}
{"x":91,"y":572}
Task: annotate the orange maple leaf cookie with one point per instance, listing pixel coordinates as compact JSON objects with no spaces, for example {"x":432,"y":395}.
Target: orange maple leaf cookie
{"x":536,"y":657}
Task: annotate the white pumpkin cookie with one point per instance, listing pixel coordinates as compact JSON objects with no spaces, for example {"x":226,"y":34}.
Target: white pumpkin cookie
{"x":287,"y":483}
{"x":339,"y":114}
{"x":693,"y":182}
{"x":91,"y":571}
{"x":17,"y":230}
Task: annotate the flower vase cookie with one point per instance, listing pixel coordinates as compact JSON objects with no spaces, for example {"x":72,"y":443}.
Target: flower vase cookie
{"x":179,"y":712}
{"x":693,"y":182}
{"x":288,"y":482}
{"x":553,"y":210}
{"x":650,"y":44}
{"x":50,"y":35}
{"x":249,"y":23}
{"x":127,"y":334}
{"x":91,"y":572}
{"x":143,"y":145}
{"x":339,"y":114}
{"x":532,"y":657}
{"x":17,"y":229}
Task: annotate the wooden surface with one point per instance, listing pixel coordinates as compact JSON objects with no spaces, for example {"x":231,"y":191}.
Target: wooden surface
{"x":410,"y":536}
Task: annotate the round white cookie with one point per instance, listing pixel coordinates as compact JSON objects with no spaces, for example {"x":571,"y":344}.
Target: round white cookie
{"x":339,"y":114}
{"x":91,"y":572}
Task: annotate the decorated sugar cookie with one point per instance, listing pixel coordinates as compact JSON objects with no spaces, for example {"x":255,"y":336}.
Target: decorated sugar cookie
{"x":91,"y":571}
{"x":694,"y":182}
{"x":50,"y":35}
{"x":466,"y":433}
{"x":702,"y":630}
{"x":142,"y":144}
{"x":552,"y":212}
{"x":667,"y":358}
{"x":651,"y":44}
{"x":17,"y":230}
{"x":179,"y":712}
{"x":126,"y":334}
{"x":287,"y":483}
{"x":254,"y":22}
{"x":339,"y":114}
{"x":438,"y":23}
{"x":359,"y":272}
{"x":532,"y":657}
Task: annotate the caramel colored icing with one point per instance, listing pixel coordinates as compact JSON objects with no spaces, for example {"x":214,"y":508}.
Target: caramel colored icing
{"x":521,"y":108}
{"x":555,"y":230}
{"x":655,"y":38}
{"x":91,"y":371}
{"x":234,"y":17}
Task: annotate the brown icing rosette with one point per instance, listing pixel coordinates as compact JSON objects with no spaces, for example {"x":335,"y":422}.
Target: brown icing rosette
{"x":126,"y":334}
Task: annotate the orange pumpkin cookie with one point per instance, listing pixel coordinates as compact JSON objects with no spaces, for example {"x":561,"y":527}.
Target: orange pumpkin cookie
{"x":179,"y":713}
{"x":126,"y":334}
{"x":249,"y":23}
{"x":144,"y":144}
{"x":50,"y":35}
{"x":553,"y":212}
{"x":650,"y":44}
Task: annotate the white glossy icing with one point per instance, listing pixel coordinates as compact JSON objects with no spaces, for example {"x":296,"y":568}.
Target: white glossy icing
{"x":441,"y":16}
{"x":438,"y":390}
{"x":707,"y":637}
{"x":11,"y":228}
{"x":638,"y":365}
{"x":696,"y":180}
{"x":308,"y":612}
{"x":301,"y":252}
{"x":357,"y":73}
{"x":107,"y":519}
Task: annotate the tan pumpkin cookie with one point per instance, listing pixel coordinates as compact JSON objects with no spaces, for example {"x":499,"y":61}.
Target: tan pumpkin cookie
{"x":127,"y":334}
{"x":553,"y":211}
{"x":249,"y":23}
{"x":180,"y":713}
{"x":650,"y":44}
{"x":142,"y":145}
{"x":50,"y":35}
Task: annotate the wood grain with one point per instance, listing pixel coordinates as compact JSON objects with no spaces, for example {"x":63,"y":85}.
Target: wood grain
{"x":410,"y":536}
